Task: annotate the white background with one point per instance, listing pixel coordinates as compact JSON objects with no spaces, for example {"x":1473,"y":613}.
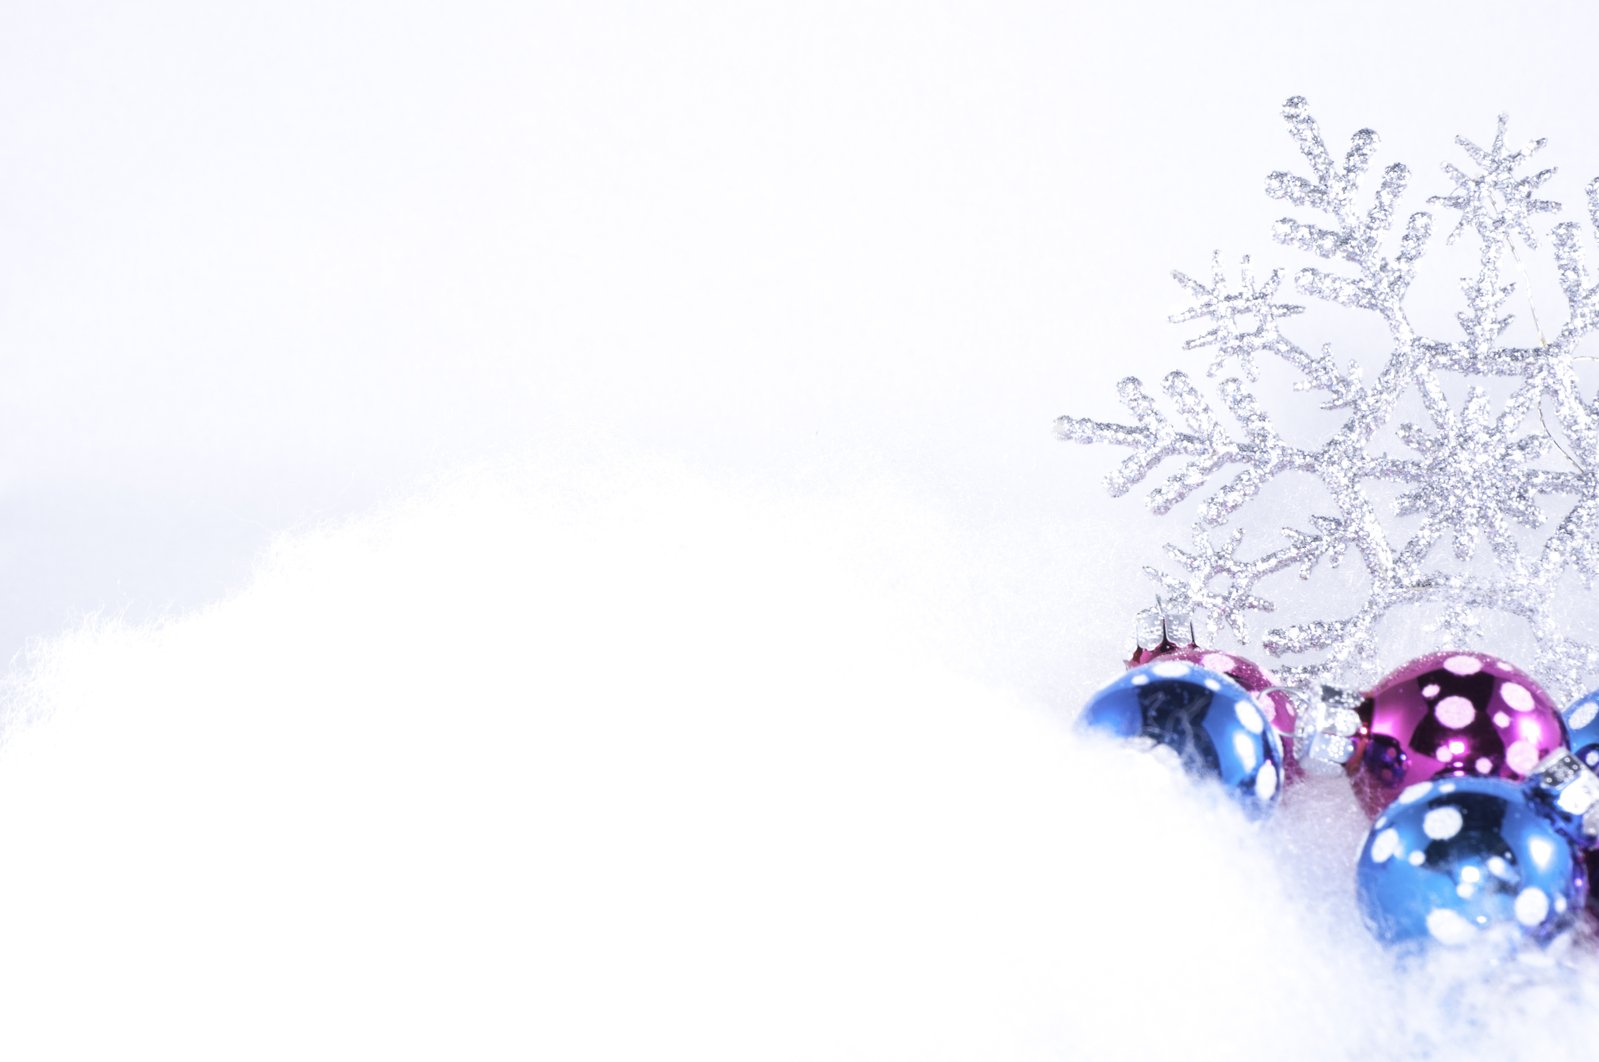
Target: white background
{"x":267,"y":264}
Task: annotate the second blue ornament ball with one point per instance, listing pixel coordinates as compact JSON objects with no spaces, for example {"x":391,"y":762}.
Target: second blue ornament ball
{"x":1213,"y":725}
{"x":1457,"y":858}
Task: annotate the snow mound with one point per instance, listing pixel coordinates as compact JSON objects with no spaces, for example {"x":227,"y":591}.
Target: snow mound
{"x":628,"y":763}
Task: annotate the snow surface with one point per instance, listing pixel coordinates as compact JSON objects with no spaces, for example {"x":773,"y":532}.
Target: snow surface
{"x":534,"y":532}
{"x":566,"y":765}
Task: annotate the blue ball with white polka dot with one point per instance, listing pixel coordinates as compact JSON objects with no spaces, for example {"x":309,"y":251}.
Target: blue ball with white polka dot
{"x":1582,"y":729}
{"x":1459,"y":860}
{"x":1212,"y":724}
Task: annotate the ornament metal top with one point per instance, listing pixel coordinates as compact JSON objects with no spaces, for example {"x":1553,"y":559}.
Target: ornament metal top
{"x":1474,"y":472}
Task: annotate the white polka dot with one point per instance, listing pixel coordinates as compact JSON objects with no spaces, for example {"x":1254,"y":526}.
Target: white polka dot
{"x":1582,"y":714}
{"x":1417,"y":858}
{"x":1212,"y":685}
{"x":1593,"y":758}
{"x":1501,"y":719}
{"x":1463,"y":665}
{"x":1532,"y":906}
{"x":1522,"y":757}
{"x":1448,"y":927}
{"x":1140,"y":679}
{"x":1484,"y":765}
{"x":1442,"y":823}
{"x":1266,"y":782}
{"x":1247,"y":750}
{"x":1384,"y":846}
{"x":1414,"y":793}
{"x":1471,"y":874}
{"x":1560,"y":904}
{"x":1249,"y":715}
{"x":1430,"y":690}
{"x":1455,"y":712}
{"x":1541,"y":850}
{"x":1219,"y":662}
{"x":1517,"y":696}
{"x":1465,"y":890}
{"x":1448,"y":787}
{"x":1170,"y":668}
{"x":1497,"y":867}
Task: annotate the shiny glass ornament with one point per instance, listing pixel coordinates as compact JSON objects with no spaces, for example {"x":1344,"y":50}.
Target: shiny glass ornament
{"x":1214,"y":726}
{"x":1450,"y":713}
{"x":1259,"y":683}
{"x":1460,"y":859}
{"x":1582,"y":729}
{"x":1167,"y":633}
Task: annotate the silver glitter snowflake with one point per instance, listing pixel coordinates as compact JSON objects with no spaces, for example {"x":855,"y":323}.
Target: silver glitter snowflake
{"x":1475,"y":473}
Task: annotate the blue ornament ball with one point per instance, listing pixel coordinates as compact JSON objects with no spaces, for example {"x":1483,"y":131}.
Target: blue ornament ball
{"x":1213,"y":725}
{"x":1582,"y":729}
{"x":1458,"y":858}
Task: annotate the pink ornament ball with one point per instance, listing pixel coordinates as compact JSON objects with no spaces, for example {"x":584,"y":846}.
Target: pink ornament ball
{"x":1451,"y":713}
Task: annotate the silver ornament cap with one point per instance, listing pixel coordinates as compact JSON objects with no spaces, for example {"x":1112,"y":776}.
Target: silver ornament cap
{"x":1325,"y":728}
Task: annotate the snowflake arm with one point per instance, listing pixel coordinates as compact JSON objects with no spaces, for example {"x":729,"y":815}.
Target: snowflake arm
{"x":1355,"y":238}
{"x":1575,"y":544}
{"x":1209,"y":561}
{"x":1581,"y":296}
{"x":1245,"y":320}
{"x":1245,"y":317}
{"x":1261,"y":450}
{"x":1497,"y":203}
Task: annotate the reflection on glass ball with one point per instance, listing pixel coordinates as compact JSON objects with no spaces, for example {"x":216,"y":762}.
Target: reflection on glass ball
{"x":1452,"y":713}
{"x":1214,"y":726}
{"x":1456,"y":859}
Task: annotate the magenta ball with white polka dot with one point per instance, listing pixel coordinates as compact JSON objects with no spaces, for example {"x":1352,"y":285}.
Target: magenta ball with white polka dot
{"x":1277,"y":706}
{"x":1451,"y":713}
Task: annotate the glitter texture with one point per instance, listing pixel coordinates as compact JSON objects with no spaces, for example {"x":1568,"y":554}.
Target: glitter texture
{"x":1476,"y":474}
